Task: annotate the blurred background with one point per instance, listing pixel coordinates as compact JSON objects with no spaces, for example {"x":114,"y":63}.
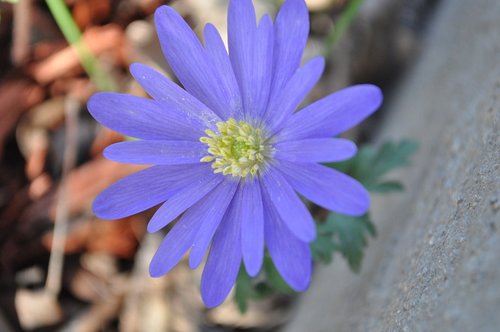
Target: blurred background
{"x":51,"y":165}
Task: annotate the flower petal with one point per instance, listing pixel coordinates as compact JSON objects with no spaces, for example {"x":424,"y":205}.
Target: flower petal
{"x":242,"y":31}
{"x":184,"y":199}
{"x":263,"y":67}
{"x":289,"y":206}
{"x":251,"y":215}
{"x":189,"y":61}
{"x":315,"y":150}
{"x":334,"y":114}
{"x":301,"y":83}
{"x":327,"y":187}
{"x":291,"y":32}
{"x":174,"y":245}
{"x":156,"y":152}
{"x":224,"y":71}
{"x":179,"y":239}
{"x":291,"y":256}
{"x":223,"y":262}
{"x":140,"y":117}
{"x":144,"y":189}
{"x":217,"y":202}
{"x":250,"y":51}
{"x":174,"y":97}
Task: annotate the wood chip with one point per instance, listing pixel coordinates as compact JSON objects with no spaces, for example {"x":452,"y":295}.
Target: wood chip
{"x":37,"y":308}
{"x":16,"y":97}
{"x":106,"y":39}
{"x":85,"y":182}
{"x":319,"y":5}
{"x":100,"y":314}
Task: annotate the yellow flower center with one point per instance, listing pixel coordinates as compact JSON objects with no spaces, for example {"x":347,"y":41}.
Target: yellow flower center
{"x":237,"y":149}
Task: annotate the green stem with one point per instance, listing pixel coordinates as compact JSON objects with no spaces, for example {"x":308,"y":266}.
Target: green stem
{"x":341,"y":25}
{"x":74,"y":37}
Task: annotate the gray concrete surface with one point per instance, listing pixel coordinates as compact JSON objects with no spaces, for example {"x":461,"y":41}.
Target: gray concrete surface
{"x":435,"y":265}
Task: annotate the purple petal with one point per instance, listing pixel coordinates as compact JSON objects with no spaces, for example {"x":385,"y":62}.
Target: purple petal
{"x":179,"y":239}
{"x":174,"y":245}
{"x":190,"y":62}
{"x":223,"y":262}
{"x":242,"y":32}
{"x":334,"y":114}
{"x":250,"y":50}
{"x":327,"y":187}
{"x":291,"y":256}
{"x":288,"y":99}
{"x":140,"y":117}
{"x":174,"y":97}
{"x":262,"y":68}
{"x":156,"y":152}
{"x":251,"y":215}
{"x":217,"y":202}
{"x":184,"y":199}
{"x":289,"y":206}
{"x":145,"y":189}
{"x":315,"y":150}
{"x":224,"y":71}
{"x":291,"y":32}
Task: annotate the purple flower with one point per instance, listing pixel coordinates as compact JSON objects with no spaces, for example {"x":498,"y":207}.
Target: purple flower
{"x":230,"y":154}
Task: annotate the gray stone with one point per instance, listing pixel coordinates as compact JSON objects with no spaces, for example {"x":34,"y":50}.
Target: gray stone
{"x":435,"y":265}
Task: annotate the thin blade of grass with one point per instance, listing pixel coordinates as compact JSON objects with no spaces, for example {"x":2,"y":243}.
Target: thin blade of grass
{"x":73,"y":36}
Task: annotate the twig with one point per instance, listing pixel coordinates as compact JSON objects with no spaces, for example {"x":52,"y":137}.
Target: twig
{"x":101,"y":313}
{"x":56,"y":261}
{"x":21,"y":32}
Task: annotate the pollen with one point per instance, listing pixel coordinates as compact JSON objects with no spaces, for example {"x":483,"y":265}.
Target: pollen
{"x":237,"y":149}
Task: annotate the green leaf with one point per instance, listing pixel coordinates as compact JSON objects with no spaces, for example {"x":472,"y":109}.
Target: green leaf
{"x":385,"y":187}
{"x":350,"y":236}
{"x":266,"y":284}
{"x":322,"y":248}
{"x":243,"y":290}
{"x":392,"y":155}
{"x":274,"y":278}
{"x":371,"y":164}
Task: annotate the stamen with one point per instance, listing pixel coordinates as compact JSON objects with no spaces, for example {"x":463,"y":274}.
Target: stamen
{"x":238,"y":149}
